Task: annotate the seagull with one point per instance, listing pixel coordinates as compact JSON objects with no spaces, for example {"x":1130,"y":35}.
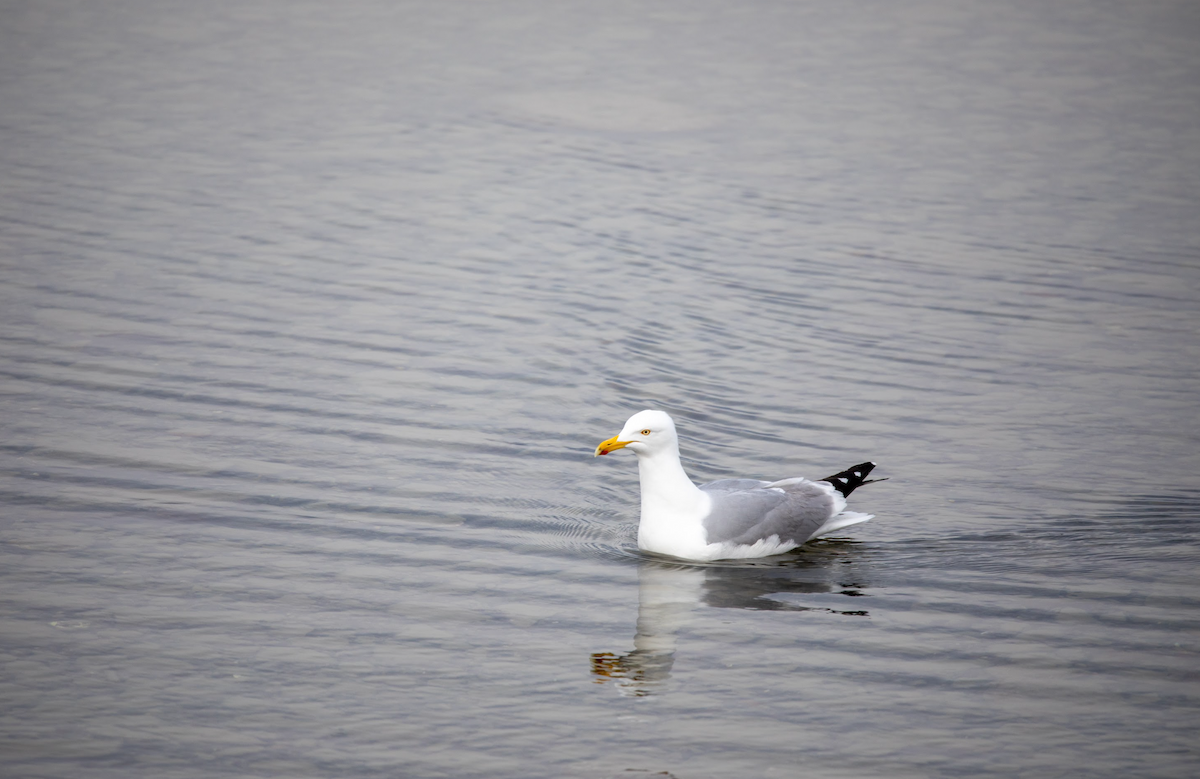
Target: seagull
{"x":729,"y":518}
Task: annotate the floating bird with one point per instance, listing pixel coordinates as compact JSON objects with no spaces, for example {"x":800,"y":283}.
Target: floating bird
{"x":729,"y":518}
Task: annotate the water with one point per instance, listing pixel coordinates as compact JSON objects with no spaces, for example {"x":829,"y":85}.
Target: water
{"x":312,"y":315}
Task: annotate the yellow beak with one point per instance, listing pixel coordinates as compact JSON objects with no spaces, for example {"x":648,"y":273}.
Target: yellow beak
{"x":611,"y":445}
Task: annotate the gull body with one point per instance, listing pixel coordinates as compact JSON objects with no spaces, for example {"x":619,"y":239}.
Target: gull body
{"x":729,"y":518}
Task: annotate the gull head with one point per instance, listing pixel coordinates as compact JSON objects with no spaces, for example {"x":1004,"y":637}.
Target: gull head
{"x":646,"y":433}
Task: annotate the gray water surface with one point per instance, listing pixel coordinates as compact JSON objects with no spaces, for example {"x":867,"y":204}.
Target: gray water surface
{"x":312,"y":314}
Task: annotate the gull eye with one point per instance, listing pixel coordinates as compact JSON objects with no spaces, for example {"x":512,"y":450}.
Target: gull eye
{"x":646,"y":431}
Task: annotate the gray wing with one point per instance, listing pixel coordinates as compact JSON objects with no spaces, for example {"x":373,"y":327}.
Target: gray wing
{"x":745,"y":511}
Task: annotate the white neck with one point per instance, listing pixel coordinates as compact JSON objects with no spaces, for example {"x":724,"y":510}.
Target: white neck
{"x":672,"y":506}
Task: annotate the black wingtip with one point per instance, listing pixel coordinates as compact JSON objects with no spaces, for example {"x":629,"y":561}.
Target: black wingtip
{"x":852,"y":478}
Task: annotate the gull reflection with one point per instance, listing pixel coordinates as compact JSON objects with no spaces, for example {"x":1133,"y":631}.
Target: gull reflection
{"x":666,"y":596}
{"x":668,"y":593}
